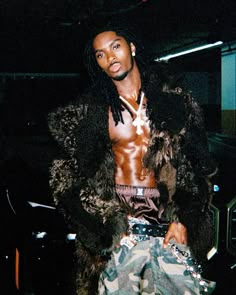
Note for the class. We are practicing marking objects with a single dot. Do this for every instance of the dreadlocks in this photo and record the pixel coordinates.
(101, 82)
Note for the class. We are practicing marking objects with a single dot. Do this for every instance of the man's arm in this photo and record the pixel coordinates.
(194, 194)
(88, 209)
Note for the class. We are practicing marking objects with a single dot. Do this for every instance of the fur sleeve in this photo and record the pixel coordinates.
(193, 188)
(195, 144)
(79, 181)
(97, 228)
(63, 124)
(82, 133)
(184, 149)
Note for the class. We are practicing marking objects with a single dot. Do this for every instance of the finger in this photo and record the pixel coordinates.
(167, 238)
(184, 241)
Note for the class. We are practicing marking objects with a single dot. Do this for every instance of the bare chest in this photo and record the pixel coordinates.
(132, 128)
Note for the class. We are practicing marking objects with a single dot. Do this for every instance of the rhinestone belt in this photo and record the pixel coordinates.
(154, 230)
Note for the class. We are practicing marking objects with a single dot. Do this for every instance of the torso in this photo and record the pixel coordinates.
(129, 149)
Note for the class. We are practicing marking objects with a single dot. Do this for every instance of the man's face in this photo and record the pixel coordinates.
(113, 54)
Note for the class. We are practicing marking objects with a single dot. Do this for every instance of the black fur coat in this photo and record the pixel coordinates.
(82, 181)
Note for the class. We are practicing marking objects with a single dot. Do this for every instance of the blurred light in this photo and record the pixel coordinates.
(71, 237)
(233, 266)
(211, 253)
(33, 204)
(40, 235)
(216, 188)
(207, 46)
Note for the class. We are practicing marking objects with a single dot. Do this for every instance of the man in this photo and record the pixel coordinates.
(134, 180)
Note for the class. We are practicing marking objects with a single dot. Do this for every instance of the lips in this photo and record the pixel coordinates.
(114, 67)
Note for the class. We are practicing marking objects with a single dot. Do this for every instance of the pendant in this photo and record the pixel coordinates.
(138, 122)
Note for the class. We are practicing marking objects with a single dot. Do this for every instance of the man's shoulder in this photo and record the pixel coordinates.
(165, 73)
(77, 109)
(79, 103)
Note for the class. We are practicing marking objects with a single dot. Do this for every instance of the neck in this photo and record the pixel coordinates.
(129, 87)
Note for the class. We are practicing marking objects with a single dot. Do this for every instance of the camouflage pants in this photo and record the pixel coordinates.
(147, 268)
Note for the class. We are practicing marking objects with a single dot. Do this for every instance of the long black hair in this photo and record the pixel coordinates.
(100, 81)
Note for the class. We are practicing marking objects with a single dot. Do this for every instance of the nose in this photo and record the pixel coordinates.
(110, 57)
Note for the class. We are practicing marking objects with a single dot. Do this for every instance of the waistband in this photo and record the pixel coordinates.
(137, 191)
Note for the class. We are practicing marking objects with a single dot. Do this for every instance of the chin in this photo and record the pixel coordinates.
(120, 76)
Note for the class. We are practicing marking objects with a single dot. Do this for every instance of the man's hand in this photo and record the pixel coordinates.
(176, 231)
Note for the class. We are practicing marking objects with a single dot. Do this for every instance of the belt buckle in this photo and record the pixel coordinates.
(139, 191)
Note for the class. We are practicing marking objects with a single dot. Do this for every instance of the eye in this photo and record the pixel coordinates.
(99, 55)
(116, 46)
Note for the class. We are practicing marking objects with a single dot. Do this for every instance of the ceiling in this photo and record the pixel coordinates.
(49, 35)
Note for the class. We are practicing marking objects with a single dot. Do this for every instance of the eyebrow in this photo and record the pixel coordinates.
(114, 41)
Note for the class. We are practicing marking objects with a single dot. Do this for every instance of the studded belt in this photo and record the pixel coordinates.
(154, 230)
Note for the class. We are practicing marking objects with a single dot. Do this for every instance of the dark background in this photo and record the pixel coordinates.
(41, 67)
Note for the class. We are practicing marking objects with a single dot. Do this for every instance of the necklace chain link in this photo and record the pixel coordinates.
(138, 122)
